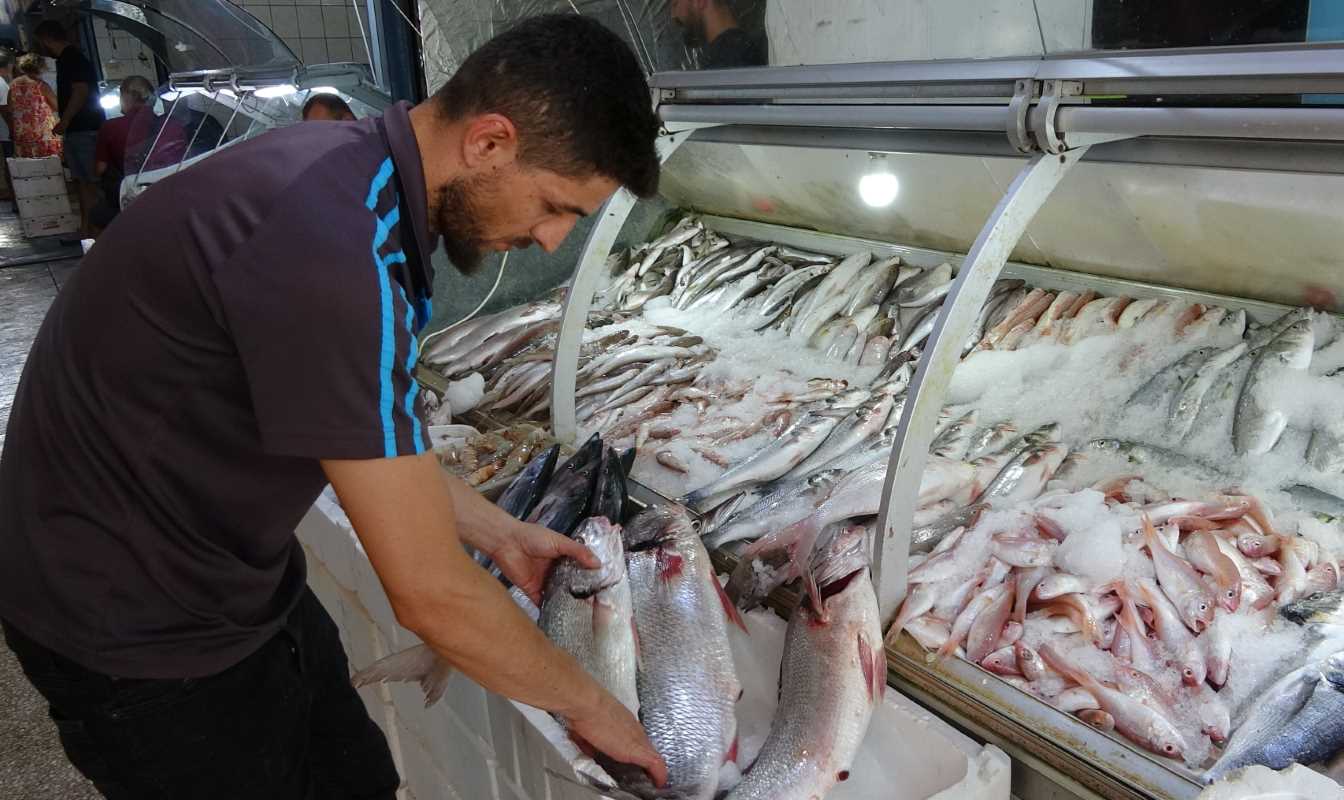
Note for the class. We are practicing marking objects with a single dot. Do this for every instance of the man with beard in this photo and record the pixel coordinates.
(712, 26)
(243, 335)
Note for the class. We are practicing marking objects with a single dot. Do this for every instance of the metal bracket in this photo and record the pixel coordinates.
(1050, 100)
(1019, 134)
(579, 298)
(928, 390)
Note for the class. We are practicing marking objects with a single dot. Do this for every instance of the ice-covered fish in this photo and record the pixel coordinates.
(771, 461)
(1257, 425)
(1189, 397)
(785, 505)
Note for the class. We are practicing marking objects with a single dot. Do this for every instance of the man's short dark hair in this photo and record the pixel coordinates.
(574, 91)
(50, 29)
(6, 58)
(328, 101)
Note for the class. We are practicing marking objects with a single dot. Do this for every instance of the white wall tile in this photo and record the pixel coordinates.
(335, 21)
(285, 21)
(338, 50)
(310, 23)
(314, 50)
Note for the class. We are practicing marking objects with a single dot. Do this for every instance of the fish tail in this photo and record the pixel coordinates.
(729, 609)
(420, 664)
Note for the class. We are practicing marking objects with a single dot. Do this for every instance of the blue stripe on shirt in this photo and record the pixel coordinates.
(379, 182)
(412, 351)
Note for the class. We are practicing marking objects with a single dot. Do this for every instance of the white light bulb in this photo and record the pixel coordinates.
(109, 101)
(268, 92)
(879, 189)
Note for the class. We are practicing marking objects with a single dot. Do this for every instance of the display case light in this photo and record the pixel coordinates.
(110, 100)
(271, 92)
(879, 187)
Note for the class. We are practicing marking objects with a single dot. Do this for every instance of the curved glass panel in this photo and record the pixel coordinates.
(189, 35)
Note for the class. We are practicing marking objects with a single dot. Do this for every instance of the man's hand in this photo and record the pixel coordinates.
(524, 553)
(612, 730)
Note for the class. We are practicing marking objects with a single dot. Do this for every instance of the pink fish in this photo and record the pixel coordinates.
(1179, 581)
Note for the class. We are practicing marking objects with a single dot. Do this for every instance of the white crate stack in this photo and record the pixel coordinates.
(40, 193)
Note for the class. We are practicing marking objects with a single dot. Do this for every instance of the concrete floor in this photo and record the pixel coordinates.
(32, 764)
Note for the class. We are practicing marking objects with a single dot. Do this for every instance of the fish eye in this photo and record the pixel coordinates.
(1203, 606)
(1170, 748)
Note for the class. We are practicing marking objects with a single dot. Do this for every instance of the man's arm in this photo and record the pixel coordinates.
(406, 516)
(79, 95)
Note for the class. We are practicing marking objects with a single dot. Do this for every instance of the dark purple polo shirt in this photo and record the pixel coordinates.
(238, 322)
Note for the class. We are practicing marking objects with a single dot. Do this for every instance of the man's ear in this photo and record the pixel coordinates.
(489, 141)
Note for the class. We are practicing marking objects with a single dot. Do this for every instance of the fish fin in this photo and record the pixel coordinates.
(419, 663)
(873, 663)
(734, 616)
(732, 754)
(814, 595)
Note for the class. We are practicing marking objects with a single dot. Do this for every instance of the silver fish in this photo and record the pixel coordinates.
(836, 281)
(1190, 396)
(863, 423)
(955, 440)
(785, 505)
(991, 439)
(874, 286)
(1325, 450)
(928, 288)
(832, 676)
(778, 297)
(1300, 719)
(687, 683)
(921, 327)
(1256, 428)
(771, 461)
(589, 613)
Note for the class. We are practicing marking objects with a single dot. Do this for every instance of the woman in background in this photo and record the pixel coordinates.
(32, 105)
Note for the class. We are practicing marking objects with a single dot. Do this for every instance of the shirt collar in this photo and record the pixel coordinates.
(411, 171)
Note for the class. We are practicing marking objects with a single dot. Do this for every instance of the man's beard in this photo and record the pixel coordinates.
(456, 217)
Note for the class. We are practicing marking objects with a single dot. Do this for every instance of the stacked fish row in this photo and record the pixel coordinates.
(490, 461)
(858, 310)
(1114, 603)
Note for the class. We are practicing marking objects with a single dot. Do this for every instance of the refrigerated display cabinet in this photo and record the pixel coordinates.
(1069, 172)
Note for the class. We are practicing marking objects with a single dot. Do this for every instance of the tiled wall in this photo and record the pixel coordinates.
(122, 55)
(318, 31)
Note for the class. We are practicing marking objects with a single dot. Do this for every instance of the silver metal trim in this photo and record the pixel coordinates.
(579, 298)
(1000, 234)
(925, 117)
(1307, 124)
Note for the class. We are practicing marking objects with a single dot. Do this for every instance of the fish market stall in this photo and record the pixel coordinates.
(1071, 364)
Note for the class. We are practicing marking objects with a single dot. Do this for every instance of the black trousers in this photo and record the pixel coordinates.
(283, 724)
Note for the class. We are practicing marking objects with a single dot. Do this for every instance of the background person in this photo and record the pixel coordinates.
(327, 107)
(109, 161)
(6, 140)
(32, 108)
(712, 26)
(79, 112)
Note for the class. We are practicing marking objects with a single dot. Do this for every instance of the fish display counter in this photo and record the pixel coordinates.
(1066, 375)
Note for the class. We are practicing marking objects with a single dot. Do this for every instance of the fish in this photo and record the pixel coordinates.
(589, 613)
(1139, 454)
(1170, 377)
(991, 439)
(1321, 608)
(874, 285)
(1300, 719)
(926, 537)
(609, 490)
(833, 285)
(1173, 633)
(527, 489)
(1189, 398)
(687, 683)
(832, 676)
(1205, 556)
(715, 280)
(778, 297)
(770, 462)
(671, 460)
(864, 422)
(1136, 721)
(1025, 476)
(955, 440)
(986, 630)
(1255, 590)
(1255, 427)
(1179, 581)
(929, 287)
(566, 499)
(1323, 504)
(1325, 450)
(785, 505)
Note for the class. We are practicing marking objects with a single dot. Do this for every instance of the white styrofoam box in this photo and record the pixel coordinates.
(39, 186)
(43, 205)
(35, 167)
(34, 227)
